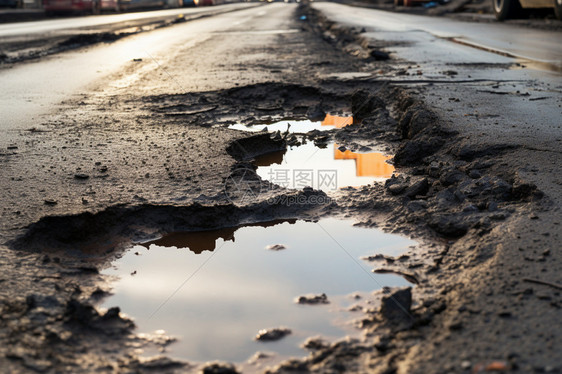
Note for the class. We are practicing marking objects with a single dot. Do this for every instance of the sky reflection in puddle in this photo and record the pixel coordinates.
(326, 169)
(240, 287)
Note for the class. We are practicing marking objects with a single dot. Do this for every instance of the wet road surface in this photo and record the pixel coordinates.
(129, 130)
(31, 90)
(523, 43)
(65, 24)
(501, 99)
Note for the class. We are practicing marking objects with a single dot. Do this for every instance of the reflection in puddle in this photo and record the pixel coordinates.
(337, 121)
(367, 164)
(269, 159)
(326, 169)
(298, 126)
(200, 241)
(225, 297)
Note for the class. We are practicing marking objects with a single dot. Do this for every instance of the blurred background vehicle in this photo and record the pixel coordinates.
(97, 6)
(11, 3)
(138, 4)
(208, 2)
(79, 6)
(506, 9)
(410, 2)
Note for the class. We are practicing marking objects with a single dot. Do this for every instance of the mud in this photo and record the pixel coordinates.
(268, 335)
(74, 245)
(313, 299)
(346, 39)
(463, 199)
(466, 196)
(251, 104)
(117, 227)
(462, 191)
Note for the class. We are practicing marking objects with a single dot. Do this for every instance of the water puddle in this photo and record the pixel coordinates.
(297, 126)
(326, 169)
(307, 165)
(216, 290)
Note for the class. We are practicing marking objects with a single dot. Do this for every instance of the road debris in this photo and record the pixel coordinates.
(312, 299)
(273, 334)
(276, 247)
(395, 306)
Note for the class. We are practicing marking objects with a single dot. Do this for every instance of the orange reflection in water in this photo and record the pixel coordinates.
(337, 121)
(367, 164)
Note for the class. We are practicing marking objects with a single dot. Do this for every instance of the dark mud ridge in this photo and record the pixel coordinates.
(347, 39)
(116, 228)
(273, 102)
(251, 104)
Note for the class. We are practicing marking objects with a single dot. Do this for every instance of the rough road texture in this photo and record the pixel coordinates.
(127, 163)
(75, 188)
(479, 305)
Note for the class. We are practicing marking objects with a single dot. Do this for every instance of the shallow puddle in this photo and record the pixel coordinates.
(325, 169)
(219, 288)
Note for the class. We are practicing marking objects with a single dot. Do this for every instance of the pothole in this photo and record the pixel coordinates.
(327, 167)
(215, 290)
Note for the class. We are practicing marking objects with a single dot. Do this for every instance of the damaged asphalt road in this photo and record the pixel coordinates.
(33, 40)
(146, 151)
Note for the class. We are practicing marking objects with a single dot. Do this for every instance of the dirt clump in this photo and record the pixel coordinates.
(219, 368)
(313, 299)
(396, 305)
(267, 335)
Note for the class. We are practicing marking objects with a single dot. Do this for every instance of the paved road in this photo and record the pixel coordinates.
(99, 105)
(63, 25)
(497, 99)
(30, 90)
(520, 42)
